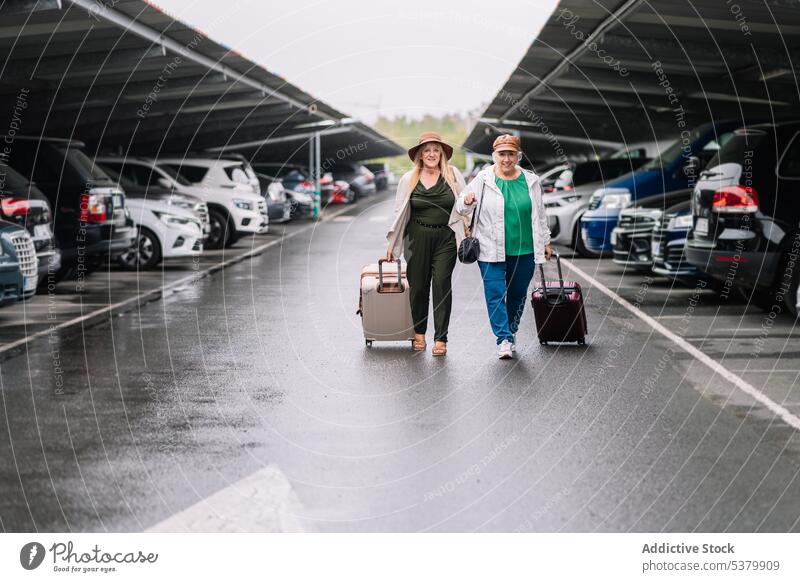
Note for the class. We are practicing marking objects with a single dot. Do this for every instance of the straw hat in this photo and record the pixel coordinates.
(431, 137)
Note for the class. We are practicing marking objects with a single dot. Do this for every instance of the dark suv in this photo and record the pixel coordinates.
(18, 277)
(361, 180)
(23, 203)
(746, 213)
(90, 220)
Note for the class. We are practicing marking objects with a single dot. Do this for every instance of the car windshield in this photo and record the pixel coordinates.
(12, 180)
(672, 153)
(81, 161)
(173, 173)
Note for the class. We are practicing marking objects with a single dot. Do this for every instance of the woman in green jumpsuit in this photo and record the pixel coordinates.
(425, 220)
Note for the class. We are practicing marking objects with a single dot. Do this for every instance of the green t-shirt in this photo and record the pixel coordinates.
(518, 208)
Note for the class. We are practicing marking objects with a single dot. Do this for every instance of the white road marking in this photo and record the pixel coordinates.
(342, 219)
(173, 287)
(379, 219)
(715, 366)
(263, 502)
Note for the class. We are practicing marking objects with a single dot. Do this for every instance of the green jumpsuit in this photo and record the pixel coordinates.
(431, 255)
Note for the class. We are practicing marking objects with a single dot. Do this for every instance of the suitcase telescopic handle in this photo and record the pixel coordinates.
(560, 276)
(380, 273)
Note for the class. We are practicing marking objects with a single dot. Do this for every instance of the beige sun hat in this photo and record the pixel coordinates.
(429, 137)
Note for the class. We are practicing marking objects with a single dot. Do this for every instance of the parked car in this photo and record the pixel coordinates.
(564, 209)
(297, 179)
(675, 169)
(23, 203)
(361, 180)
(593, 171)
(18, 265)
(745, 214)
(382, 175)
(232, 212)
(669, 242)
(168, 225)
(279, 207)
(157, 192)
(645, 149)
(633, 236)
(302, 203)
(215, 172)
(91, 222)
(475, 170)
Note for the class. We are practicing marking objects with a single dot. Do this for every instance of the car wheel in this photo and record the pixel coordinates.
(580, 248)
(790, 298)
(219, 235)
(233, 236)
(350, 197)
(144, 254)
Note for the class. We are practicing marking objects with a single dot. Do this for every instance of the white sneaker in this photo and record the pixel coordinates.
(505, 350)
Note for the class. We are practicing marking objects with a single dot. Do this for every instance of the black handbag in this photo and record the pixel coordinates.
(470, 248)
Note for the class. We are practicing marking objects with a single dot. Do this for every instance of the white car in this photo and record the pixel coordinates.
(232, 212)
(164, 231)
(564, 209)
(216, 172)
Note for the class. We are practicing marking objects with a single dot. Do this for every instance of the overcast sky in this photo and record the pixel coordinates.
(370, 58)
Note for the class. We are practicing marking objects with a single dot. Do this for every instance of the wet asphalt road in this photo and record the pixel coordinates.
(263, 365)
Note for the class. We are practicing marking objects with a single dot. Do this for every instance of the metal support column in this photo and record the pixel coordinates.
(314, 154)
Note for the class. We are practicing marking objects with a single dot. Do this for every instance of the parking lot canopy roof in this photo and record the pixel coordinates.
(126, 77)
(603, 73)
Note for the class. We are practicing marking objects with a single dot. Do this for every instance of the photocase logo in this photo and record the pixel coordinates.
(31, 555)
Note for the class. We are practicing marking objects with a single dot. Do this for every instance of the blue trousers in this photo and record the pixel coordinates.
(505, 286)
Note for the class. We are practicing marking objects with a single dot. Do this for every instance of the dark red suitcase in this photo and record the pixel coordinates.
(558, 309)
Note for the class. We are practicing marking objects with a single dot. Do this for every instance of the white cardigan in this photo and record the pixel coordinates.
(402, 213)
(490, 229)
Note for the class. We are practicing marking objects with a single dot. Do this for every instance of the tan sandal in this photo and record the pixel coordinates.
(419, 345)
(440, 349)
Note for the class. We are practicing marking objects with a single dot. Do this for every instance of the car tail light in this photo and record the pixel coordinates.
(326, 179)
(307, 184)
(735, 200)
(15, 206)
(93, 208)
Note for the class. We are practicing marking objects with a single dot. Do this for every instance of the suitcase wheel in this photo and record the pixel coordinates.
(368, 342)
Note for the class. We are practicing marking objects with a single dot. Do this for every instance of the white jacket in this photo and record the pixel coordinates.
(490, 228)
(402, 213)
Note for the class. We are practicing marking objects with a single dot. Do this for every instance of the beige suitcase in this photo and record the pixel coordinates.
(383, 303)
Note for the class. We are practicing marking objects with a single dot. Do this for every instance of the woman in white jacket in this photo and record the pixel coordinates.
(513, 234)
(426, 220)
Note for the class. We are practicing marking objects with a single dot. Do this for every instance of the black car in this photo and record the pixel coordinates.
(381, 172)
(90, 220)
(361, 180)
(23, 203)
(669, 243)
(633, 236)
(746, 212)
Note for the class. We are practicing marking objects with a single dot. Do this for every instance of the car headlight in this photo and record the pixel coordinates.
(572, 199)
(616, 200)
(683, 221)
(173, 219)
(243, 204)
